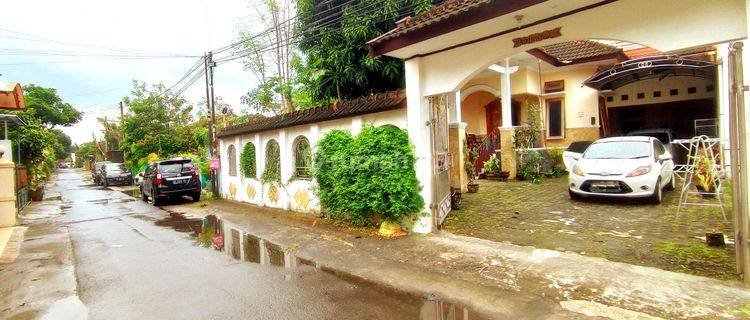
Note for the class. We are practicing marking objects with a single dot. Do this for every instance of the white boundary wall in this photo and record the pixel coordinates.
(298, 194)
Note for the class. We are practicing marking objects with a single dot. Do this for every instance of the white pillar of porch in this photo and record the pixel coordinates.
(455, 109)
(506, 115)
(417, 115)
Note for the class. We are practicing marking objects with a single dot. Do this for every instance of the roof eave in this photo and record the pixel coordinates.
(382, 45)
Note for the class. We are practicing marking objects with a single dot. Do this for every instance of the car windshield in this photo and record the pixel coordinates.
(175, 167)
(116, 167)
(618, 150)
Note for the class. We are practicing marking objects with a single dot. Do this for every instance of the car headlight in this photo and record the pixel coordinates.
(640, 171)
(577, 170)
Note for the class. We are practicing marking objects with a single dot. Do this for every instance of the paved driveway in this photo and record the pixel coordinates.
(634, 232)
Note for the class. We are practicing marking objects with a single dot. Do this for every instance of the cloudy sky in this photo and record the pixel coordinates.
(95, 84)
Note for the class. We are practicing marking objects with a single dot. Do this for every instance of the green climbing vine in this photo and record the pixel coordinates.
(247, 161)
(272, 171)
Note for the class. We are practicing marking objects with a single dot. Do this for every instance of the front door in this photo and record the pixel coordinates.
(441, 164)
(492, 112)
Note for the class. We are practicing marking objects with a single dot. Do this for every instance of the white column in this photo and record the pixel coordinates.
(356, 125)
(454, 108)
(314, 136)
(506, 115)
(260, 151)
(417, 114)
(285, 165)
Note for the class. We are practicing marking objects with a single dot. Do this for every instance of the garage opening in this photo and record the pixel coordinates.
(664, 92)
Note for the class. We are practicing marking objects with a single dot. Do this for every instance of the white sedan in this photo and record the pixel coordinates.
(629, 167)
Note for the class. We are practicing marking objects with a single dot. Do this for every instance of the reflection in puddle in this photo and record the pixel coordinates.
(275, 254)
(250, 248)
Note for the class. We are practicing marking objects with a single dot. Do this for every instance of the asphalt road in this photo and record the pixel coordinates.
(129, 268)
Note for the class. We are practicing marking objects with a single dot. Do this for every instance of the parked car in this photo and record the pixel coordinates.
(62, 165)
(171, 179)
(630, 167)
(138, 179)
(573, 152)
(96, 171)
(114, 173)
(666, 136)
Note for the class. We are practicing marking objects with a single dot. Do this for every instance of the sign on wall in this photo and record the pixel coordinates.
(536, 37)
(215, 164)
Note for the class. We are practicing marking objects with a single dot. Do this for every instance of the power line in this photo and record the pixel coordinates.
(313, 32)
(192, 69)
(94, 92)
(79, 61)
(43, 39)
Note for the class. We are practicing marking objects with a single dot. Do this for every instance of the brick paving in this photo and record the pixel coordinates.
(629, 231)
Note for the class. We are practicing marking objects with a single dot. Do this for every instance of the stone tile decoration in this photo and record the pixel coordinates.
(302, 198)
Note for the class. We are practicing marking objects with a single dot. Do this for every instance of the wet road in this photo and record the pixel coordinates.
(129, 268)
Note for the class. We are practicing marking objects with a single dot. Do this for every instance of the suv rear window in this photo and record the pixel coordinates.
(175, 166)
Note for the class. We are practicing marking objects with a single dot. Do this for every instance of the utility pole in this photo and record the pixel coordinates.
(122, 112)
(209, 67)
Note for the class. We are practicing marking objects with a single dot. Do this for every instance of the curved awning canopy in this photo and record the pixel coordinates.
(660, 67)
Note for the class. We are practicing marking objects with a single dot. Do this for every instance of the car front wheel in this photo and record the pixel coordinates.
(656, 197)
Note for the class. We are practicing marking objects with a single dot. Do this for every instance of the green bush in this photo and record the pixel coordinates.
(368, 175)
(530, 166)
(247, 161)
(555, 163)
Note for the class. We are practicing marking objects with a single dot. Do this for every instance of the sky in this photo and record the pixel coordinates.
(95, 85)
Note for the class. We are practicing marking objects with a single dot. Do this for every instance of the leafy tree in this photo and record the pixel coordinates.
(86, 150)
(49, 108)
(334, 34)
(63, 145)
(156, 122)
(112, 134)
(269, 54)
(40, 146)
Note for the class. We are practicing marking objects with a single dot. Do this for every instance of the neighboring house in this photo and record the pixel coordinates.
(596, 68)
(285, 139)
(11, 96)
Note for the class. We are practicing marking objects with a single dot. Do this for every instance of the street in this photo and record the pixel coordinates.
(127, 268)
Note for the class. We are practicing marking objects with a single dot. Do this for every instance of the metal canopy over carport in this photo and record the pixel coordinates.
(634, 70)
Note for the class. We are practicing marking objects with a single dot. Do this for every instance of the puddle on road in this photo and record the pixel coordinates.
(250, 248)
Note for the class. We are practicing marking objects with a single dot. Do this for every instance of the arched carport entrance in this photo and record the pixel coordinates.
(448, 47)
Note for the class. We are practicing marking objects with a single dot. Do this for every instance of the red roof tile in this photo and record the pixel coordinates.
(578, 49)
(370, 104)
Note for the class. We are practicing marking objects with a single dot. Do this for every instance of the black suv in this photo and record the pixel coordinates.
(171, 179)
(112, 173)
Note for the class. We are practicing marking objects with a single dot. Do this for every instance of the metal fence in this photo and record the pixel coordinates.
(22, 188)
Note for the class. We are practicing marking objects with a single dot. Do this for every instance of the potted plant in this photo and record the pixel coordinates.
(492, 168)
(470, 156)
(37, 177)
(705, 175)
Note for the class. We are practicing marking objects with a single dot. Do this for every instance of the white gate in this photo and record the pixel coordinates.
(441, 158)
